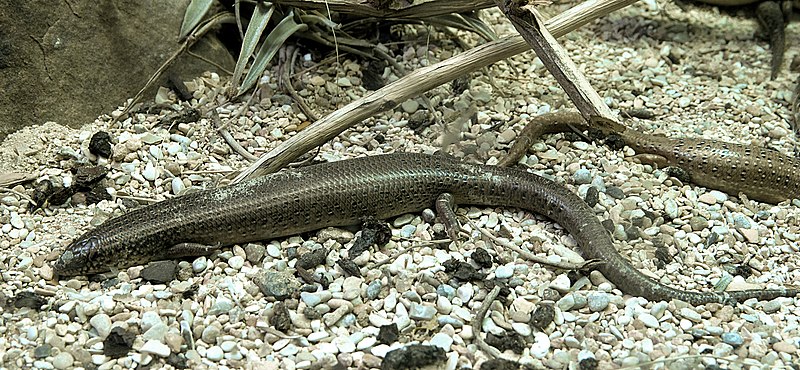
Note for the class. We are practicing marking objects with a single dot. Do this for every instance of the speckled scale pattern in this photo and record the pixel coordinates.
(341, 193)
(761, 173)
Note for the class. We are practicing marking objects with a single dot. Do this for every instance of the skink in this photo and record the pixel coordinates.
(342, 193)
(761, 173)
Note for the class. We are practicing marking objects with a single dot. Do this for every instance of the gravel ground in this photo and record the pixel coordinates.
(699, 71)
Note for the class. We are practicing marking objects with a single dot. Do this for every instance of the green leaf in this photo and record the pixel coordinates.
(268, 49)
(258, 22)
(195, 12)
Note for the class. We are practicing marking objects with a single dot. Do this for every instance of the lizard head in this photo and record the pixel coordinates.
(80, 258)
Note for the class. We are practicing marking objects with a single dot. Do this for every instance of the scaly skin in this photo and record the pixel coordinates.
(341, 193)
(761, 173)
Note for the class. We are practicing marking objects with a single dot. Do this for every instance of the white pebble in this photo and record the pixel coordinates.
(150, 172)
(157, 348)
(215, 353)
(541, 345)
(442, 341)
(236, 262)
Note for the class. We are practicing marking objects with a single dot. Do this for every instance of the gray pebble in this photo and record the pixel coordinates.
(101, 324)
(215, 353)
(772, 306)
(373, 289)
(598, 301)
(582, 176)
(408, 231)
(199, 264)
(698, 223)
(403, 220)
(741, 221)
(448, 319)
(446, 291)
(615, 192)
(178, 187)
(421, 312)
(410, 106)
(566, 303)
(210, 334)
(150, 172)
(278, 284)
(580, 145)
(222, 305)
(504, 272)
(648, 320)
(254, 252)
(313, 299)
(236, 262)
(599, 183)
(63, 360)
(733, 339)
(671, 208)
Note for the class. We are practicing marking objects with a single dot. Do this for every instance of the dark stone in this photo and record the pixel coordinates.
(589, 363)
(312, 313)
(281, 319)
(482, 258)
(373, 232)
(412, 357)
(615, 192)
(118, 343)
(543, 316)
(42, 351)
(641, 113)
(29, 300)
(462, 270)
(160, 272)
(419, 120)
(592, 196)
(513, 342)
(503, 364)
(349, 267)
(312, 259)
(100, 144)
(388, 334)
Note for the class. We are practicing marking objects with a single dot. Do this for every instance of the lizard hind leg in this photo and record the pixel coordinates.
(444, 208)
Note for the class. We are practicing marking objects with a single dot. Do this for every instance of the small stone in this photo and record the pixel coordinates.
(707, 198)
(750, 234)
(160, 272)
(671, 208)
(410, 106)
(541, 345)
(221, 305)
(150, 172)
(598, 301)
(210, 334)
(278, 284)
(199, 264)
(403, 220)
(504, 272)
(733, 339)
(442, 341)
(421, 312)
(215, 353)
(615, 192)
(648, 320)
(785, 347)
(236, 262)
(155, 347)
(254, 252)
(561, 283)
(178, 187)
(101, 324)
(506, 136)
(690, 314)
(698, 223)
(772, 306)
(63, 360)
(582, 176)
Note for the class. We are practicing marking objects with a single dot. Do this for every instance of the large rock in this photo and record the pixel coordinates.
(70, 61)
